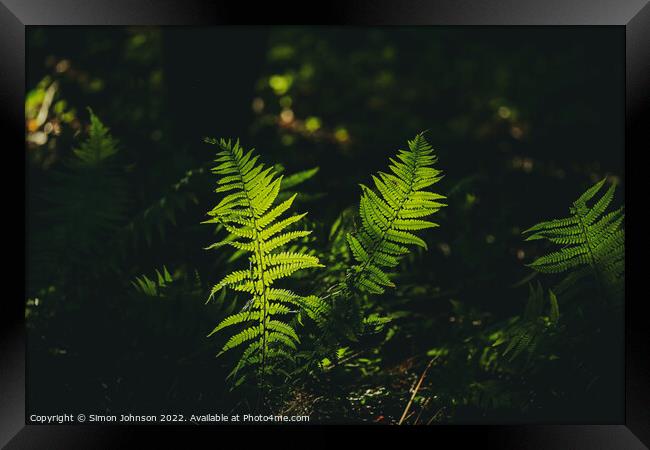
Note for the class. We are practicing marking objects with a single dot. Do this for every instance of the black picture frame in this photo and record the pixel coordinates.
(633, 15)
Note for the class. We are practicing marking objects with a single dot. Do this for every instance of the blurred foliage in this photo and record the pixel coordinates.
(522, 120)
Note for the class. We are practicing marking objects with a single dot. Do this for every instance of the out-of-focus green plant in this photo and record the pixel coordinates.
(86, 205)
(46, 115)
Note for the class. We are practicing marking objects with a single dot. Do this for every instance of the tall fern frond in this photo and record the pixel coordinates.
(391, 213)
(250, 213)
(592, 243)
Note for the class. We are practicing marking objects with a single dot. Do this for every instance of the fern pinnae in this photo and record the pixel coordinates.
(391, 214)
(248, 213)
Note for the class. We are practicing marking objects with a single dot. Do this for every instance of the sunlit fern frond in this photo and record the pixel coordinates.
(391, 213)
(592, 243)
(250, 213)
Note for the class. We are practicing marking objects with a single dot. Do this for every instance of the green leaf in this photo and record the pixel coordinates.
(249, 213)
(390, 214)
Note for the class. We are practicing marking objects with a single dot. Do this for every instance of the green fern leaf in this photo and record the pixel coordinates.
(590, 239)
(249, 212)
(390, 214)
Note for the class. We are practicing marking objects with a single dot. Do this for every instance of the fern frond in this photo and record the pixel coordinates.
(85, 206)
(525, 334)
(248, 211)
(590, 238)
(99, 146)
(391, 213)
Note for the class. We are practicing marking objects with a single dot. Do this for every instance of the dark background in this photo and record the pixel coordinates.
(523, 120)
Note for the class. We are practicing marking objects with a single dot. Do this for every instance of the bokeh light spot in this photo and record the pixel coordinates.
(286, 116)
(504, 112)
(62, 66)
(258, 105)
(516, 132)
(312, 124)
(280, 83)
(341, 135)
